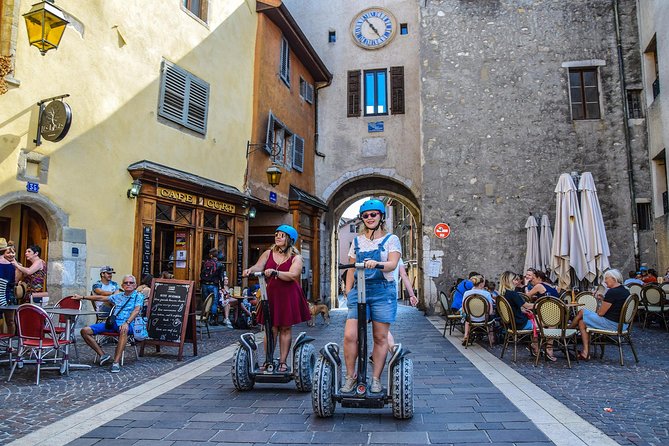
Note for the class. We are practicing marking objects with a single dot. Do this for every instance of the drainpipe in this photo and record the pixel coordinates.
(630, 163)
(318, 87)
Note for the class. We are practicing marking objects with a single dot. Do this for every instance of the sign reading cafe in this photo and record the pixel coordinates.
(193, 199)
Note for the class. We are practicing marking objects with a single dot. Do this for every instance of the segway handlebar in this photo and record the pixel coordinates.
(359, 265)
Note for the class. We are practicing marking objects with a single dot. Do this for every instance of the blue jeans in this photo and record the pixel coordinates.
(381, 301)
(208, 289)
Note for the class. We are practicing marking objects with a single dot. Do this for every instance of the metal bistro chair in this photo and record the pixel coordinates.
(655, 304)
(477, 306)
(72, 303)
(113, 337)
(453, 318)
(553, 319)
(665, 287)
(620, 336)
(588, 299)
(509, 323)
(202, 319)
(37, 337)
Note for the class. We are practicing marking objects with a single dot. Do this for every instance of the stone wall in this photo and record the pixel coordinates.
(497, 129)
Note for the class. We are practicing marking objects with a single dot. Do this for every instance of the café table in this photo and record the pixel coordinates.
(70, 314)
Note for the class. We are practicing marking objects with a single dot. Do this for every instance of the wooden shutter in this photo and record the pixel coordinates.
(184, 98)
(198, 100)
(269, 140)
(353, 90)
(397, 90)
(310, 93)
(285, 61)
(298, 153)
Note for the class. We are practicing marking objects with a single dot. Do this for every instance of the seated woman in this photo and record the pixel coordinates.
(608, 315)
(540, 286)
(508, 284)
(479, 288)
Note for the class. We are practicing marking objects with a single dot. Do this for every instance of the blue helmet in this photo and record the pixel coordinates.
(373, 205)
(290, 231)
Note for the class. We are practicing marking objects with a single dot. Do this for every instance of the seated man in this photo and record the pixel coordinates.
(128, 305)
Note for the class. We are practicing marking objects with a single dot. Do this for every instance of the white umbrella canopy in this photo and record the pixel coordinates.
(568, 249)
(594, 234)
(545, 242)
(532, 258)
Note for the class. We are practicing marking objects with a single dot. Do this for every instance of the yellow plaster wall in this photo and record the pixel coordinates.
(111, 69)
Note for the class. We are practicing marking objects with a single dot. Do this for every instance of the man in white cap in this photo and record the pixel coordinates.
(104, 287)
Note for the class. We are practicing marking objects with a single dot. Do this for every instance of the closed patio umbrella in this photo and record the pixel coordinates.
(594, 234)
(532, 258)
(545, 242)
(568, 249)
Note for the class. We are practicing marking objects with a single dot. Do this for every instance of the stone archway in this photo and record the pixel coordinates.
(67, 246)
(345, 191)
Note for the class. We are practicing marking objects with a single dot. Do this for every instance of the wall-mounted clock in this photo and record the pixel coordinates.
(373, 28)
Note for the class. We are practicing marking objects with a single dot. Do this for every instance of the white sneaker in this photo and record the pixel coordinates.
(349, 385)
(376, 386)
(227, 323)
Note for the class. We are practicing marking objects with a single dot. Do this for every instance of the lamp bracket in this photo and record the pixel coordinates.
(273, 149)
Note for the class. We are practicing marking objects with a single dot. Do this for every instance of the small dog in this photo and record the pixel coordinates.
(317, 308)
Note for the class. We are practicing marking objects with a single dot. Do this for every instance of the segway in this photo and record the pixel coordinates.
(398, 391)
(245, 369)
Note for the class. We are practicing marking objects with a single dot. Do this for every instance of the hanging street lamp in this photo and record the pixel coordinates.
(46, 24)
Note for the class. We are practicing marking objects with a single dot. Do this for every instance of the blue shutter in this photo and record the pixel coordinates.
(198, 100)
(269, 140)
(284, 69)
(298, 153)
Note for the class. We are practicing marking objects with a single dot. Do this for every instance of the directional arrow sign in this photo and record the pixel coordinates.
(442, 230)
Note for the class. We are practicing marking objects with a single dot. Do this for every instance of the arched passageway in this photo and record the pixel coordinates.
(378, 186)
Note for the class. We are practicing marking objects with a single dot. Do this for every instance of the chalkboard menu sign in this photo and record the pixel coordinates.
(170, 314)
(146, 250)
(240, 260)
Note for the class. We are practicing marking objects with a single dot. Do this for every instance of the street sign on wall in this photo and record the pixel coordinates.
(442, 230)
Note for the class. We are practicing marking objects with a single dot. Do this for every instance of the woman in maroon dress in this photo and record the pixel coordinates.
(282, 265)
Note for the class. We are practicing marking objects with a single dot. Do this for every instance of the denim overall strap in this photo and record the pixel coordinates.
(375, 274)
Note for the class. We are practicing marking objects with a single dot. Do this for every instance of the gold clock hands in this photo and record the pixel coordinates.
(373, 27)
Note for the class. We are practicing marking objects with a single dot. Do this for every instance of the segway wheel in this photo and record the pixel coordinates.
(322, 392)
(241, 369)
(303, 366)
(402, 389)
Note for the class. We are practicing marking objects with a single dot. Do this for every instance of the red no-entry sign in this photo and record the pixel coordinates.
(442, 230)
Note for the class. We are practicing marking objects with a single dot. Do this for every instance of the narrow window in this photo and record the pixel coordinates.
(653, 65)
(284, 70)
(353, 94)
(634, 104)
(584, 93)
(298, 153)
(332, 36)
(306, 91)
(397, 90)
(376, 97)
(404, 29)
(184, 98)
(196, 7)
(645, 216)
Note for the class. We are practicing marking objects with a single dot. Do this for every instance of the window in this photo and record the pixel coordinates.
(353, 94)
(397, 90)
(196, 7)
(645, 216)
(351, 229)
(306, 91)
(184, 98)
(281, 139)
(634, 107)
(376, 99)
(584, 93)
(404, 29)
(298, 153)
(653, 66)
(284, 69)
(332, 36)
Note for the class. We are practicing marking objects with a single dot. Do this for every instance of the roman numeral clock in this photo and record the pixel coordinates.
(373, 28)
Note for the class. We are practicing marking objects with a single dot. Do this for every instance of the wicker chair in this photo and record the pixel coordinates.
(453, 317)
(477, 306)
(655, 304)
(621, 335)
(553, 319)
(588, 299)
(509, 323)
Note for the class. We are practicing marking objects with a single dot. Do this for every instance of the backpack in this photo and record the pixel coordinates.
(208, 273)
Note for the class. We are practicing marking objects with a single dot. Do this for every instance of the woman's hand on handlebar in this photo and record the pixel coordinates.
(271, 273)
(371, 264)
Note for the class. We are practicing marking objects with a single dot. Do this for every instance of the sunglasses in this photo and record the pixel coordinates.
(128, 283)
(369, 215)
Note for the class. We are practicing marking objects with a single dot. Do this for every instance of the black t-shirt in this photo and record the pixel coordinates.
(616, 297)
(517, 301)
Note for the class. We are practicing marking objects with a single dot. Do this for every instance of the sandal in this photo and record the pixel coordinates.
(532, 352)
(582, 357)
(283, 367)
(464, 341)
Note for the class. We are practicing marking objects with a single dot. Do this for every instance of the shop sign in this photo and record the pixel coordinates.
(177, 196)
(218, 205)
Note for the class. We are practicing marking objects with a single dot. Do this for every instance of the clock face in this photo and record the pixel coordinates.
(55, 121)
(373, 28)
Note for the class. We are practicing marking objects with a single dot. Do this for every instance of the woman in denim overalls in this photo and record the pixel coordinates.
(374, 247)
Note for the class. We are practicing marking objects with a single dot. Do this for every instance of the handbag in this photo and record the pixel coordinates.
(139, 328)
(110, 322)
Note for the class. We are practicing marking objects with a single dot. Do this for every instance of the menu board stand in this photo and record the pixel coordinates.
(171, 315)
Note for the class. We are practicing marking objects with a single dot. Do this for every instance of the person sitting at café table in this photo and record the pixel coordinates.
(608, 315)
(522, 311)
(539, 285)
(479, 288)
(128, 305)
(633, 279)
(460, 290)
(646, 277)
